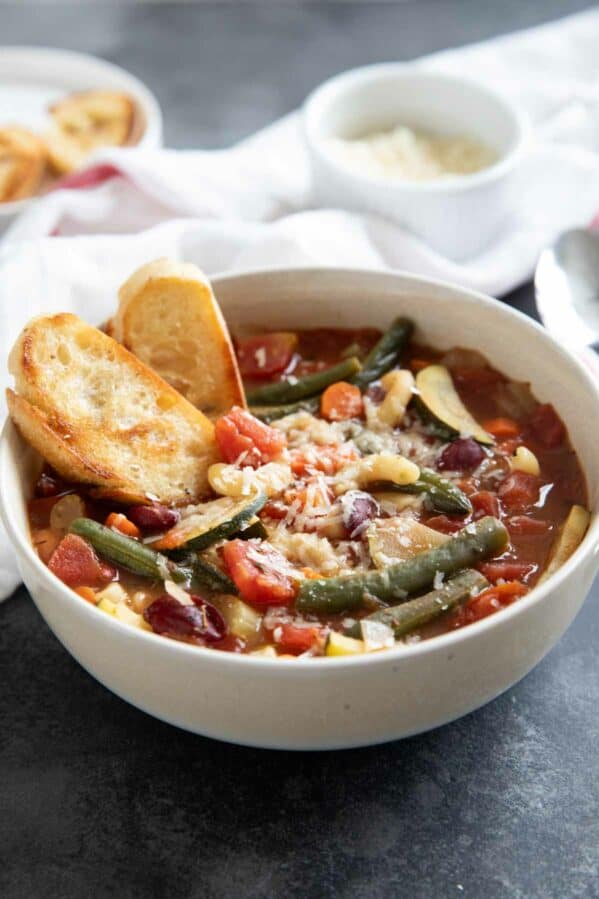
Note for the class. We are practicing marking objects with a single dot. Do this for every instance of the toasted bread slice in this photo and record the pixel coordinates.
(99, 416)
(23, 159)
(169, 317)
(86, 121)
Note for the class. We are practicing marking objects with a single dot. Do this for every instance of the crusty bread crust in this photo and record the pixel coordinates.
(86, 121)
(101, 417)
(168, 316)
(23, 159)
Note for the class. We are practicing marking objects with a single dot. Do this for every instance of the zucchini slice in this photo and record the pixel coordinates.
(253, 530)
(392, 540)
(572, 532)
(438, 400)
(210, 522)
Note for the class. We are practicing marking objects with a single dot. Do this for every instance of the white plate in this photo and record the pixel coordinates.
(31, 78)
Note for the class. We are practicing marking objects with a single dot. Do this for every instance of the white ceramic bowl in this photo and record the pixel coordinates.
(31, 78)
(458, 215)
(338, 702)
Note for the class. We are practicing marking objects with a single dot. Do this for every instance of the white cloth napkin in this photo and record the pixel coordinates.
(251, 205)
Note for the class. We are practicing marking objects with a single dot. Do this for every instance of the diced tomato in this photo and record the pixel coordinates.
(341, 401)
(445, 524)
(119, 522)
(328, 459)
(547, 426)
(239, 435)
(266, 354)
(506, 570)
(260, 573)
(76, 564)
(502, 428)
(488, 602)
(519, 491)
(530, 527)
(274, 509)
(467, 485)
(485, 503)
(296, 640)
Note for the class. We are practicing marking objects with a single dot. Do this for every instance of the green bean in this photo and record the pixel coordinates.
(128, 553)
(286, 391)
(442, 495)
(385, 353)
(211, 577)
(272, 413)
(353, 349)
(478, 540)
(417, 612)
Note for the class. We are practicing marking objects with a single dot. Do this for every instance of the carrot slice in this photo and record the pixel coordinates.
(87, 594)
(341, 401)
(119, 522)
(502, 428)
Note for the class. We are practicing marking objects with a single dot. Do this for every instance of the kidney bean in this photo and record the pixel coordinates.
(169, 617)
(462, 454)
(358, 509)
(154, 517)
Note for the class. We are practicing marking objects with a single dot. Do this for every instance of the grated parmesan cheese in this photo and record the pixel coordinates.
(410, 154)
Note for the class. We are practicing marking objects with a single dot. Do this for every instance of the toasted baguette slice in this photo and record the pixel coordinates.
(23, 160)
(169, 317)
(101, 417)
(86, 121)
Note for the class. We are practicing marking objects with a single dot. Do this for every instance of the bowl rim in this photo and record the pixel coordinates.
(350, 79)
(309, 666)
(144, 98)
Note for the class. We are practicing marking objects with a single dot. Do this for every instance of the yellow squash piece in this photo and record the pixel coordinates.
(572, 533)
(339, 645)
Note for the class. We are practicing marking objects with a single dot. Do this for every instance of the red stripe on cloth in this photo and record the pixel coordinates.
(91, 177)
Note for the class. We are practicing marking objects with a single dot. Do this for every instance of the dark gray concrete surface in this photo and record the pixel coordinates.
(99, 800)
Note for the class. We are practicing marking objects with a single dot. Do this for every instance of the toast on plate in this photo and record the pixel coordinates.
(168, 316)
(23, 160)
(100, 417)
(86, 121)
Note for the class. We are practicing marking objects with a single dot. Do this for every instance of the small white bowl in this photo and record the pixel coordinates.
(458, 215)
(31, 78)
(331, 703)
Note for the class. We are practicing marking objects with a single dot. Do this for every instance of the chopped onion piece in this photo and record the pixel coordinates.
(177, 592)
(65, 511)
(376, 635)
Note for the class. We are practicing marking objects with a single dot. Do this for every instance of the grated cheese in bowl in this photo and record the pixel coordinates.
(413, 155)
